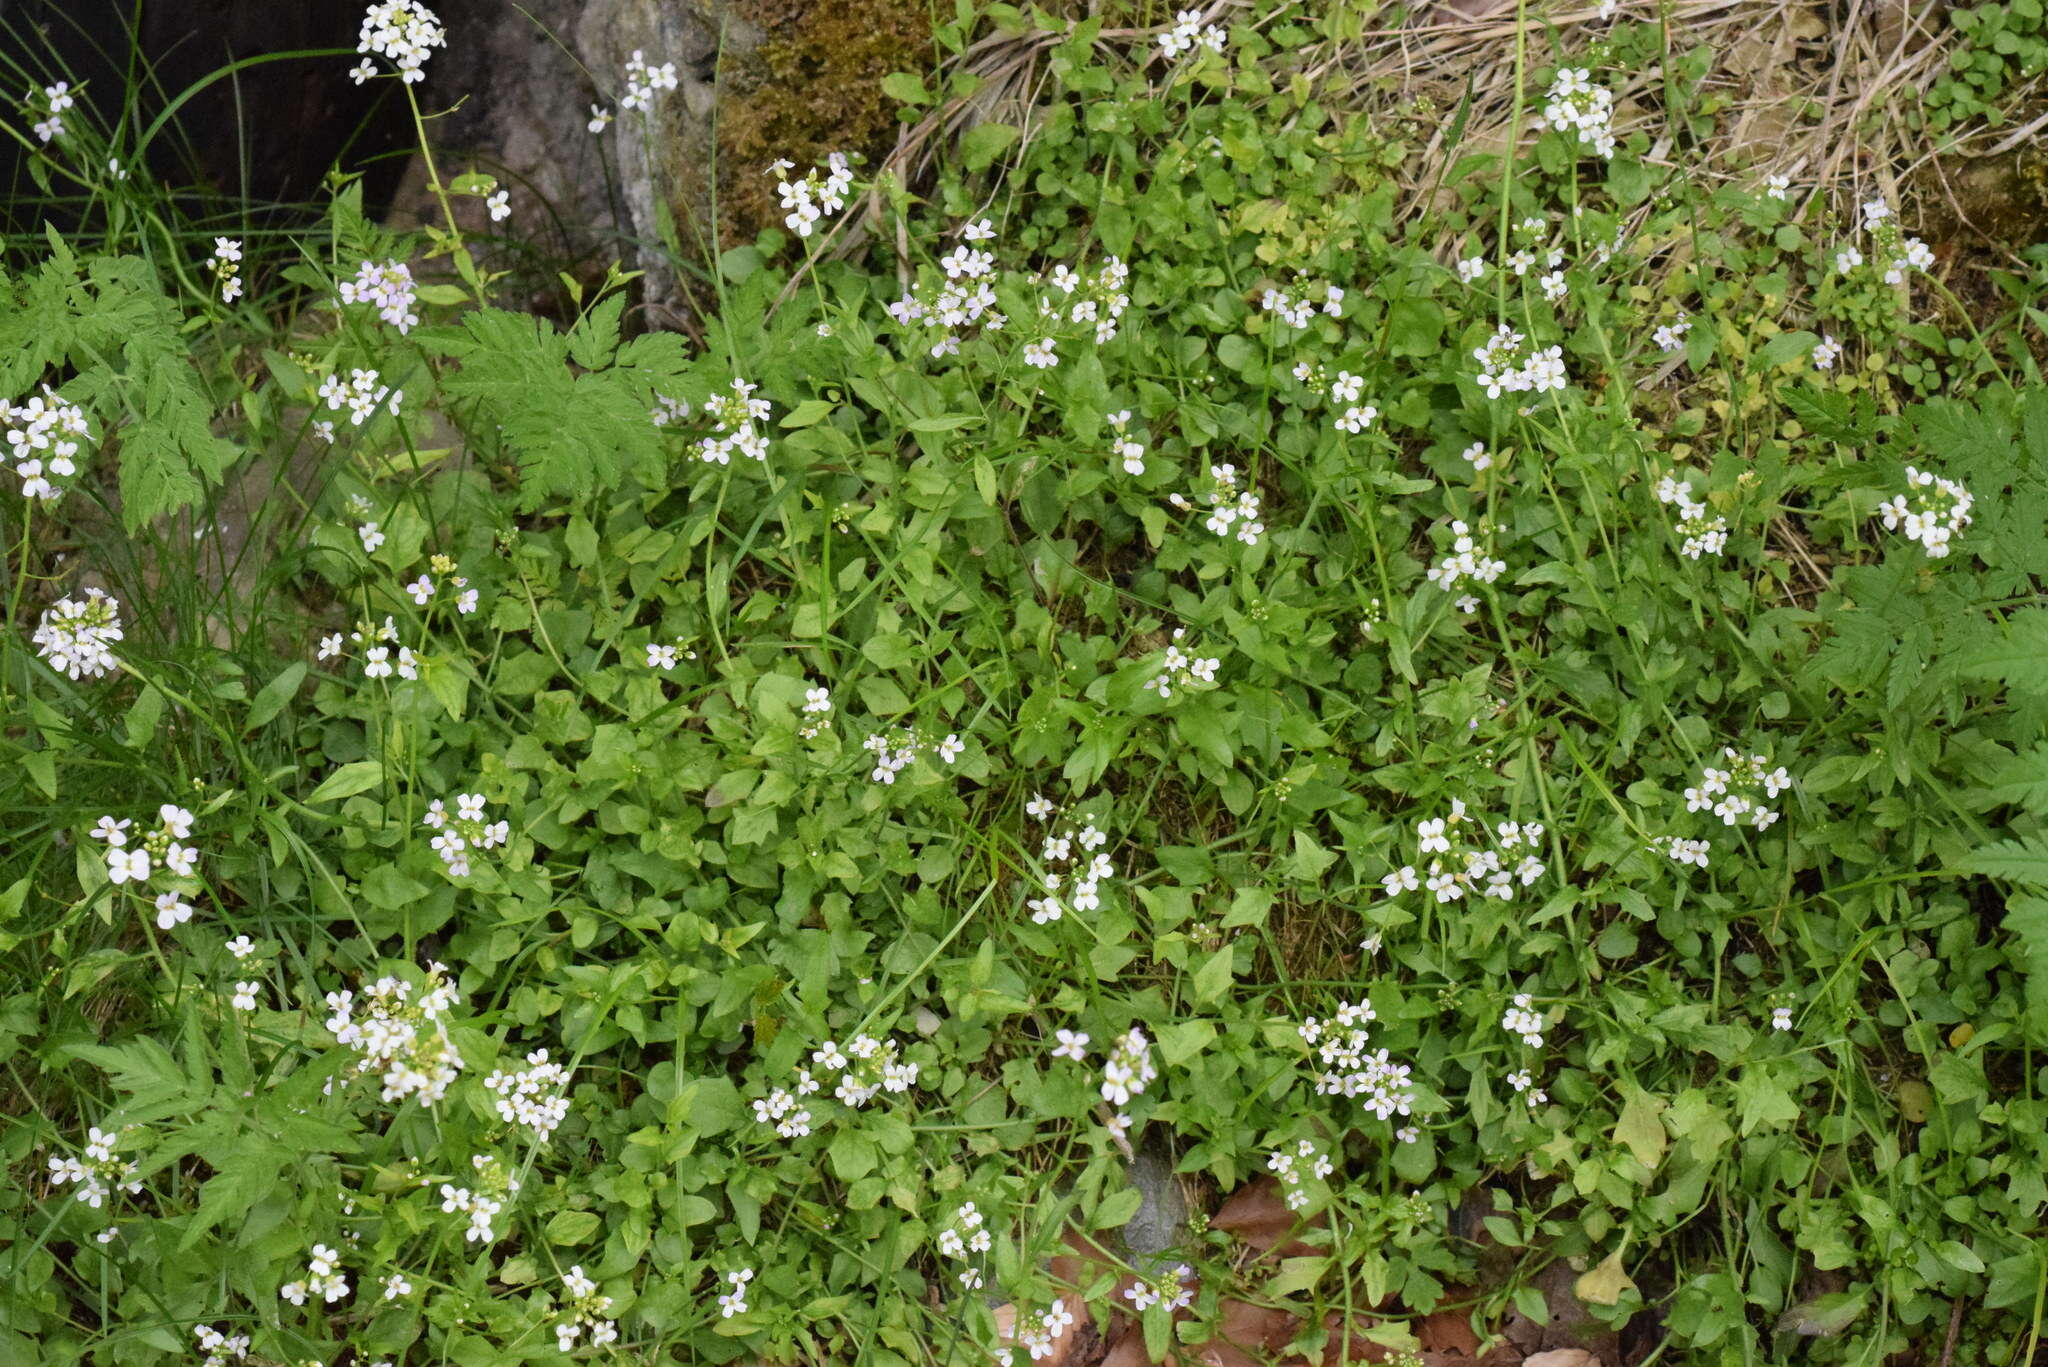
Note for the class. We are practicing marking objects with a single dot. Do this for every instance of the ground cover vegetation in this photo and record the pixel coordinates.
(1497, 726)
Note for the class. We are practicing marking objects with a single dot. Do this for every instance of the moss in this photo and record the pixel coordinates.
(813, 86)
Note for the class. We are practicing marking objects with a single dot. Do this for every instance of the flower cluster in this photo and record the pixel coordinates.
(532, 1096)
(1703, 532)
(1071, 842)
(965, 299)
(77, 637)
(404, 33)
(495, 1186)
(1524, 1083)
(378, 661)
(161, 851)
(227, 268)
(1097, 302)
(1575, 104)
(1189, 32)
(1349, 1069)
(1041, 1338)
(99, 1174)
(1477, 863)
(1670, 337)
(1297, 307)
(895, 752)
(323, 1279)
(783, 1110)
(644, 82)
(732, 417)
(1180, 669)
(423, 589)
(390, 289)
(1174, 1288)
(1466, 561)
(1507, 368)
(817, 194)
(403, 1039)
(1343, 391)
(1128, 1070)
(463, 832)
(1296, 1168)
(1932, 511)
(867, 1068)
(967, 1236)
(55, 100)
(586, 1308)
(1523, 1020)
(817, 712)
(1732, 793)
(1900, 253)
(1682, 851)
(42, 438)
(1131, 453)
(733, 1301)
(1232, 511)
(362, 394)
(667, 411)
(220, 1348)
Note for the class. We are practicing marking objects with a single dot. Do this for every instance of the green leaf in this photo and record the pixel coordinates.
(271, 698)
(2026, 920)
(809, 413)
(942, 422)
(241, 1179)
(1117, 1209)
(905, 88)
(1640, 1127)
(348, 780)
(1296, 1274)
(143, 715)
(1213, 978)
(2017, 659)
(573, 1227)
(984, 143)
(2017, 861)
(1825, 1316)
(1787, 346)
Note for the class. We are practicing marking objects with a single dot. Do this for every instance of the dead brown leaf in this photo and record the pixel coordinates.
(1448, 1331)
(1257, 1214)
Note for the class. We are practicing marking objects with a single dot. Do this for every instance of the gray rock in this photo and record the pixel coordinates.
(1161, 1223)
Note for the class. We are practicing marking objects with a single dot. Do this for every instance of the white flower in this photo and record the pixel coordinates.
(127, 866)
(1072, 1044)
(245, 996)
(371, 537)
(1781, 1018)
(171, 910)
(600, 118)
(404, 33)
(389, 288)
(76, 637)
(500, 205)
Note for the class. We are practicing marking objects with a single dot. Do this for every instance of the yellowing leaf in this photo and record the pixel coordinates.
(1605, 1284)
(1640, 1128)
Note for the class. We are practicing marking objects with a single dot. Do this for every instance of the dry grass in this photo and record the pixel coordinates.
(1818, 90)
